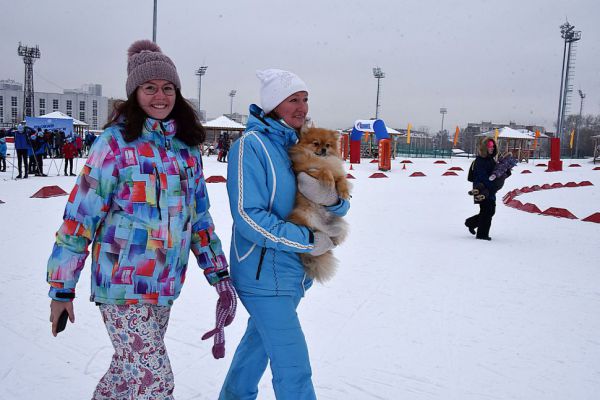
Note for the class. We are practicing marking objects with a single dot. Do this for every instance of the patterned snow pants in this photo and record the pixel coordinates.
(140, 368)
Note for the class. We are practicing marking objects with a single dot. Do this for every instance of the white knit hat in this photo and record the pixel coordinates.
(276, 85)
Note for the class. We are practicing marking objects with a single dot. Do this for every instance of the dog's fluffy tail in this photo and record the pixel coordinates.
(322, 268)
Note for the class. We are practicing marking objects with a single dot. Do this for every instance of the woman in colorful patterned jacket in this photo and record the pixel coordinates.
(141, 202)
(265, 264)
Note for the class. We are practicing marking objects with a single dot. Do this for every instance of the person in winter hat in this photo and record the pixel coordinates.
(266, 269)
(22, 147)
(484, 189)
(141, 202)
(69, 151)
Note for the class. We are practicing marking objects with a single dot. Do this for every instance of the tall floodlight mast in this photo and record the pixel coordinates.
(378, 74)
(29, 55)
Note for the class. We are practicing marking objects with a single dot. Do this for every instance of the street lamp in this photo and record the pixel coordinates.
(232, 95)
(378, 74)
(154, 22)
(200, 73)
(443, 111)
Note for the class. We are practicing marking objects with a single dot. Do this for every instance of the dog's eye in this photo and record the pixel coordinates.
(316, 144)
(327, 145)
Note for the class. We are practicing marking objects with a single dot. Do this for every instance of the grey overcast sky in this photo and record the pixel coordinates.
(484, 60)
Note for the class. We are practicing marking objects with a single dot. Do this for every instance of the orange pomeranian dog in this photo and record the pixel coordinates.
(318, 154)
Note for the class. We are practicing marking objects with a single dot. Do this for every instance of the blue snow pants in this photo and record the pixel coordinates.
(273, 334)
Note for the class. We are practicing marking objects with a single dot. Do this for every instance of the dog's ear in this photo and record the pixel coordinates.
(305, 127)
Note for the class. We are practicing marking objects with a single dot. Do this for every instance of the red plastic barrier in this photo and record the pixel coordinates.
(216, 179)
(355, 151)
(559, 213)
(49, 191)
(541, 165)
(530, 208)
(378, 175)
(449, 173)
(555, 164)
(596, 169)
(557, 185)
(586, 183)
(525, 189)
(595, 217)
(373, 161)
(574, 165)
(547, 186)
(439, 162)
(417, 174)
(406, 162)
(385, 155)
(455, 169)
(515, 204)
(571, 184)
(350, 176)
(526, 171)
(345, 146)
(535, 188)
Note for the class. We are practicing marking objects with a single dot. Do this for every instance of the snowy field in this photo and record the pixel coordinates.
(419, 310)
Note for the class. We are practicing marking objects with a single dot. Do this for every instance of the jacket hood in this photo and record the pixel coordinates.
(483, 147)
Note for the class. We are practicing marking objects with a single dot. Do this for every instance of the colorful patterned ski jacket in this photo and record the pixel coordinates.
(262, 190)
(144, 205)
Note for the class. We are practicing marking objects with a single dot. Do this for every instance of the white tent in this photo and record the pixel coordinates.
(60, 115)
(519, 142)
(223, 123)
(509, 133)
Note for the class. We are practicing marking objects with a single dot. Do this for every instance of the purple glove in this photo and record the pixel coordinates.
(226, 306)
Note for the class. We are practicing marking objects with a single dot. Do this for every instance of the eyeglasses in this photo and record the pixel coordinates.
(151, 89)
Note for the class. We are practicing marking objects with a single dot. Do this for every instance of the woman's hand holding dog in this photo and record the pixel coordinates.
(322, 244)
(315, 191)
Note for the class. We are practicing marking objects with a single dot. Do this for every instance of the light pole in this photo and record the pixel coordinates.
(154, 22)
(378, 74)
(443, 111)
(570, 35)
(200, 73)
(582, 96)
(232, 95)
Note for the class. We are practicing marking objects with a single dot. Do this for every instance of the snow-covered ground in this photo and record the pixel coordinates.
(418, 310)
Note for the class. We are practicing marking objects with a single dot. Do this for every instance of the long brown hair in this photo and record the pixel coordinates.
(129, 112)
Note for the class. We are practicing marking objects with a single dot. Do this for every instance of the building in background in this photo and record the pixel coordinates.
(85, 104)
(469, 139)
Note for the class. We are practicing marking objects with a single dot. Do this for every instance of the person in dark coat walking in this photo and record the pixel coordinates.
(22, 147)
(484, 189)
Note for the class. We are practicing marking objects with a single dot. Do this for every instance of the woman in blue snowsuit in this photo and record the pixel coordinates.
(264, 260)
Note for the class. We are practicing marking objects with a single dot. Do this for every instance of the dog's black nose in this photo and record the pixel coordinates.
(323, 151)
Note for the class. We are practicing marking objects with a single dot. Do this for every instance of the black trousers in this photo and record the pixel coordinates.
(39, 158)
(67, 162)
(483, 220)
(22, 158)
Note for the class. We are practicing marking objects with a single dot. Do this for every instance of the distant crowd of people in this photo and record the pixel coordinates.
(221, 149)
(32, 146)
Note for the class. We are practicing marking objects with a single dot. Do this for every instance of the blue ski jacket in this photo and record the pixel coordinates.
(261, 184)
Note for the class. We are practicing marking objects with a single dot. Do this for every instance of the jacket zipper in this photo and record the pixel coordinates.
(158, 190)
(158, 185)
(262, 256)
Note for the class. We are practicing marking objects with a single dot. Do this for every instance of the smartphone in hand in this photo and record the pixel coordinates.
(62, 321)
